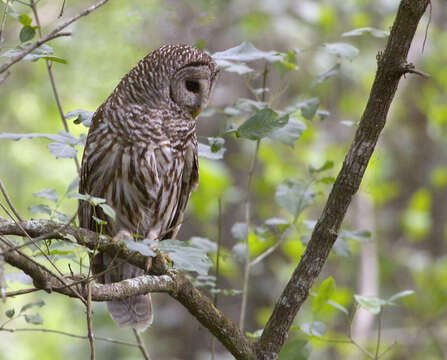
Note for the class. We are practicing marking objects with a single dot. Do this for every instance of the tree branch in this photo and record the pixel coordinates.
(169, 281)
(52, 35)
(392, 65)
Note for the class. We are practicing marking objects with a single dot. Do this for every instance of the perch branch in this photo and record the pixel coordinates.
(392, 64)
(169, 281)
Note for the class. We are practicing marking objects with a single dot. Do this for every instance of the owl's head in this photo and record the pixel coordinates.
(182, 75)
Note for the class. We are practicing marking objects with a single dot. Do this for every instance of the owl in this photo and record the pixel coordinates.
(141, 157)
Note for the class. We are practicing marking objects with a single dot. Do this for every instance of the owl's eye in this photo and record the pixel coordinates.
(192, 86)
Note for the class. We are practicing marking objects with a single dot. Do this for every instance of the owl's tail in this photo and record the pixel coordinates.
(135, 311)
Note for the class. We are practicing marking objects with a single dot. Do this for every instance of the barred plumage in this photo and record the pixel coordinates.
(141, 156)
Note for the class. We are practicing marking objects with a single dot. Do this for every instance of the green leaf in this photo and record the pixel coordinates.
(92, 200)
(342, 50)
(49, 194)
(206, 151)
(294, 196)
(240, 231)
(246, 52)
(40, 209)
(326, 166)
(186, 257)
(10, 313)
(38, 303)
(216, 143)
(35, 319)
(99, 221)
(341, 247)
(261, 124)
(61, 137)
(27, 33)
(324, 293)
(289, 133)
(62, 151)
(309, 108)
(25, 20)
(55, 59)
(203, 243)
(325, 75)
(366, 30)
(81, 116)
(400, 295)
(297, 349)
(370, 303)
(108, 210)
(141, 247)
(358, 235)
(234, 67)
(314, 328)
(338, 306)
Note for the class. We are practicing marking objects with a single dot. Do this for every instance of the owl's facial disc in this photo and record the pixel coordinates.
(191, 87)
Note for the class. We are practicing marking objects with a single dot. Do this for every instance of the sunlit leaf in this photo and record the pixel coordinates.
(338, 306)
(62, 151)
(326, 166)
(25, 20)
(342, 50)
(61, 137)
(324, 293)
(370, 303)
(234, 67)
(400, 295)
(81, 116)
(314, 328)
(367, 30)
(246, 52)
(309, 108)
(255, 334)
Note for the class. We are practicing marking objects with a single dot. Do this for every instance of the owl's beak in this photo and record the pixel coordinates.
(196, 112)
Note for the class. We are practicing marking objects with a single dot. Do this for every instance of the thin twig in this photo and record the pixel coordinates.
(8, 200)
(21, 292)
(61, 13)
(217, 283)
(52, 35)
(91, 336)
(82, 337)
(53, 83)
(60, 277)
(141, 345)
(2, 27)
(379, 333)
(248, 218)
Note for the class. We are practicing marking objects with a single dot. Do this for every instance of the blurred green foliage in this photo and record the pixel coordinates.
(402, 195)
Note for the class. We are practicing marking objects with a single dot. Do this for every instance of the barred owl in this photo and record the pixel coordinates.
(141, 156)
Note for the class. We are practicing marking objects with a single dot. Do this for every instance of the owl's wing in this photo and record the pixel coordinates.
(85, 210)
(190, 180)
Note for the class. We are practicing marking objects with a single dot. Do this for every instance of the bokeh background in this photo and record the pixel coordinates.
(401, 202)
